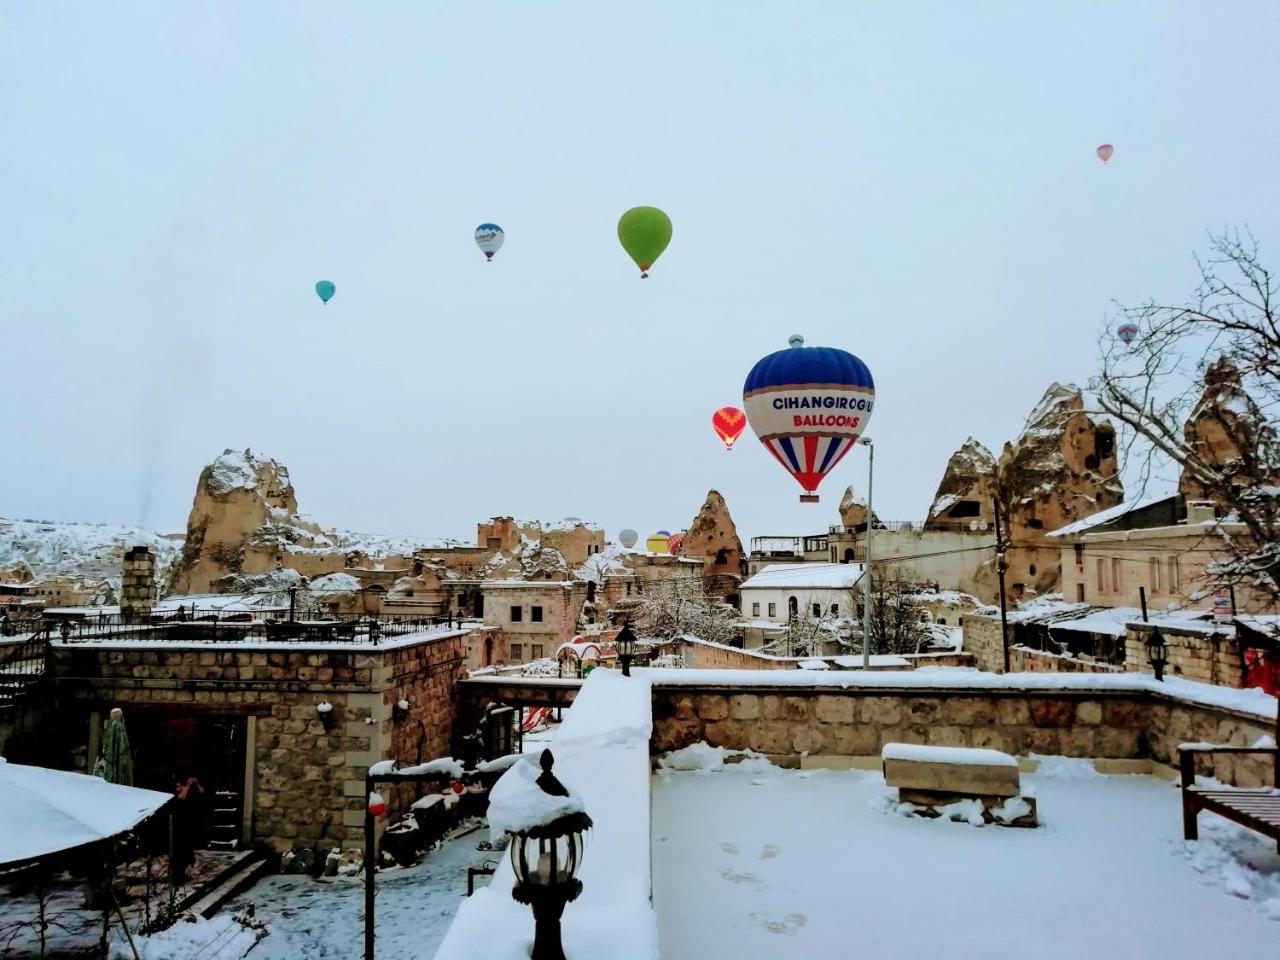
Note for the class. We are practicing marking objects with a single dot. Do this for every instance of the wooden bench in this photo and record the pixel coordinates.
(1257, 808)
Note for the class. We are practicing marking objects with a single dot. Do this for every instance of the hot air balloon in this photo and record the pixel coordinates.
(728, 423)
(325, 290)
(644, 233)
(489, 237)
(675, 543)
(1105, 151)
(658, 542)
(628, 538)
(1127, 332)
(808, 406)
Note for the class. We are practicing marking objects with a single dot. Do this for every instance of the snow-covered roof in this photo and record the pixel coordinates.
(828, 576)
(335, 582)
(1105, 516)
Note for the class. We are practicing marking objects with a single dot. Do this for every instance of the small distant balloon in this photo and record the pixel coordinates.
(325, 290)
(728, 423)
(489, 237)
(675, 543)
(1105, 151)
(628, 538)
(657, 543)
(1127, 332)
(644, 233)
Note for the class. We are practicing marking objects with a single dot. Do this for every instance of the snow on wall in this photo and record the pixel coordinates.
(602, 752)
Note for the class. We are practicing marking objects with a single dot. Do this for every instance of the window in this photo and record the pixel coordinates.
(1173, 574)
(1115, 574)
(517, 652)
(535, 651)
(1032, 569)
(1102, 583)
(817, 609)
(773, 609)
(1155, 574)
(1080, 556)
(835, 609)
(493, 543)
(517, 614)
(1079, 593)
(535, 614)
(722, 557)
(755, 609)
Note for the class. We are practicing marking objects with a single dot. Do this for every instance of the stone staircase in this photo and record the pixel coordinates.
(224, 820)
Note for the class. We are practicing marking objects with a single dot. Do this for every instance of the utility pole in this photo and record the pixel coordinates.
(1001, 566)
(866, 573)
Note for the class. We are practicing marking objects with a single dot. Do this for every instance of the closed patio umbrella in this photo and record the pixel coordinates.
(116, 763)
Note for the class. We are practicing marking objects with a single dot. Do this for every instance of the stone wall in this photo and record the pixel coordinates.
(983, 639)
(704, 655)
(304, 781)
(137, 584)
(787, 721)
(1206, 656)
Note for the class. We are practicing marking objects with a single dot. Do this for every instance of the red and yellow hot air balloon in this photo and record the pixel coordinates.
(1105, 151)
(675, 543)
(728, 423)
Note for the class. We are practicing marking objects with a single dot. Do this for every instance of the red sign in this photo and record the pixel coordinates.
(1223, 611)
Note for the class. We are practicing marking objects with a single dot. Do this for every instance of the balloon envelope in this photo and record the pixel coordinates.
(489, 237)
(628, 538)
(1105, 151)
(658, 542)
(644, 233)
(728, 423)
(1128, 332)
(809, 406)
(675, 543)
(325, 290)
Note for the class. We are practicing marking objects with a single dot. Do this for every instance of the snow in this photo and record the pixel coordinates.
(971, 756)
(82, 549)
(827, 576)
(1249, 701)
(700, 757)
(813, 664)
(839, 873)
(878, 660)
(602, 751)
(445, 766)
(501, 763)
(1105, 516)
(46, 811)
(237, 470)
(334, 583)
(518, 804)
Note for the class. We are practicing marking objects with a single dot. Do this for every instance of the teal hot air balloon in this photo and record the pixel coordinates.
(325, 290)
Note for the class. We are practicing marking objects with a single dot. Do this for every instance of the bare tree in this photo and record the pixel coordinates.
(667, 609)
(1209, 365)
(898, 624)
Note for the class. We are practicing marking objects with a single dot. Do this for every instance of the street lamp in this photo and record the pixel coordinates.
(866, 558)
(1157, 652)
(625, 643)
(546, 859)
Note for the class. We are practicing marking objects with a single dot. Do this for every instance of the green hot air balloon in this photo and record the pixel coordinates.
(644, 233)
(325, 290)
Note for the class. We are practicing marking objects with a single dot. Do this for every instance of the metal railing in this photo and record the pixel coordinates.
(24, 659)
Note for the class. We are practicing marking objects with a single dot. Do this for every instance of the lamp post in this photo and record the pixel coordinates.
(1157, 652)
(625, 643)
(866, 573)
(546, 859)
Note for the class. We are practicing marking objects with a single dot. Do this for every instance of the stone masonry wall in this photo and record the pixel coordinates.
(788, 721)
(137, 584)
(1200, 655)
(307, 782)
(714, 656)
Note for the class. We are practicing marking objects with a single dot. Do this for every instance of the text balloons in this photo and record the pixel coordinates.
(1105, 151)
(728, 423)
(628, 538)
(325, 290)
(489, 237)
(644, 233)
(809, 406)
(1127, 332)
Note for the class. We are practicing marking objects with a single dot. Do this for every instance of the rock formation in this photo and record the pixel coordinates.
(853, 512)
(713, 537)
(967, 491)
(244, 521)
(1229, 434)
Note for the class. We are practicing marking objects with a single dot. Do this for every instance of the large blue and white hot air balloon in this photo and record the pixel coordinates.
(808, 406)
(489, 237)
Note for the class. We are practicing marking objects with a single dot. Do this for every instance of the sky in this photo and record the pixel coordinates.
(913, 182)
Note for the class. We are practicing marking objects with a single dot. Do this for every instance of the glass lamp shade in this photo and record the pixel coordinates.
(625, 642)
(546, 861)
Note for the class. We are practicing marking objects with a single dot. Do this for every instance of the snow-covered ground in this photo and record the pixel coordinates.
(755, 862)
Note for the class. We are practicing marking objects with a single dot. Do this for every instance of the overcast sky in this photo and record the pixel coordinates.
(913, 182)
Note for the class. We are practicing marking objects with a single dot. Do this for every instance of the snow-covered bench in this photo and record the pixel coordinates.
(1258, 809)
(935, 778)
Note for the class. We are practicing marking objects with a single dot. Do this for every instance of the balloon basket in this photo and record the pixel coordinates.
(808, 498)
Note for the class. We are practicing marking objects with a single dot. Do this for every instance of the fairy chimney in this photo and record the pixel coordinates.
(137, 585)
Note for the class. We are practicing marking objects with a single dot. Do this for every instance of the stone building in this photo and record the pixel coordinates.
(535, 618)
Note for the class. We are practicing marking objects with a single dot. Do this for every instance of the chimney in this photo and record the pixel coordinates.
(1201, 511)
(137, 585)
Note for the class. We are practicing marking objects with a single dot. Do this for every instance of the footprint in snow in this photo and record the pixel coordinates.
(728, 847)
(790, 924)
(734, 877)
(769, 851)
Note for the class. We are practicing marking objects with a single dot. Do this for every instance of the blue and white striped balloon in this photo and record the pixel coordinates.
(808, 406)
